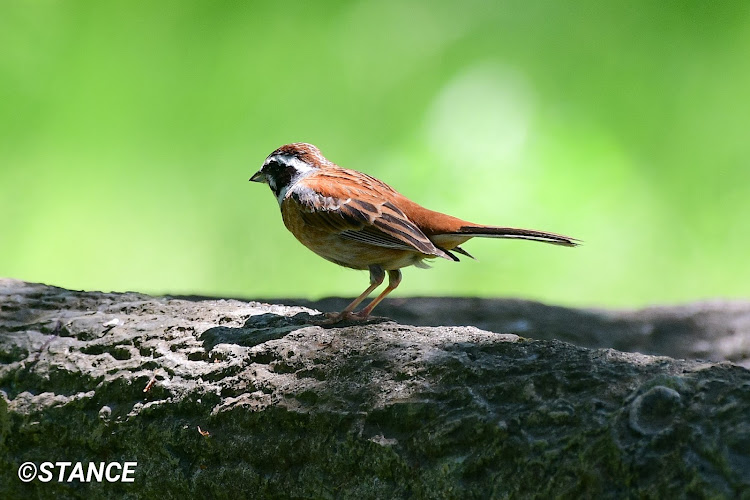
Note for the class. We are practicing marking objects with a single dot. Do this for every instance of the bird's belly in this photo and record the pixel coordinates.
(346, 252)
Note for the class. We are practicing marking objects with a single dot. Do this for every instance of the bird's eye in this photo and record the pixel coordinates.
(273, 167)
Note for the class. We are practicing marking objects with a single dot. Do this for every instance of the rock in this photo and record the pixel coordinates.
(713, 330)
(225, 398)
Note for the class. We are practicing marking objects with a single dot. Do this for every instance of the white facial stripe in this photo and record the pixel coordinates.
(290, 160)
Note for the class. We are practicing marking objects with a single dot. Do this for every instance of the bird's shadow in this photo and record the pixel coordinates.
(261, 328)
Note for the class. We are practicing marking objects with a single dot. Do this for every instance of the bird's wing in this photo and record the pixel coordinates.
(356, 206)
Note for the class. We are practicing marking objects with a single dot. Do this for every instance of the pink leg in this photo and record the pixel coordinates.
(377, 275)
(394, 278)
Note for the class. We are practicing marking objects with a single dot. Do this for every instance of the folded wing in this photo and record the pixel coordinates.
(358, 211)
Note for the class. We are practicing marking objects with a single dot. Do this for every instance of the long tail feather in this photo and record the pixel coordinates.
(521, 234)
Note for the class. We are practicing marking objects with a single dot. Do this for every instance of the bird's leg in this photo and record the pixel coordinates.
(394, 278)
(377, 275)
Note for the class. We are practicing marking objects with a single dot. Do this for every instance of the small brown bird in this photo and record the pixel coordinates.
(357, 221)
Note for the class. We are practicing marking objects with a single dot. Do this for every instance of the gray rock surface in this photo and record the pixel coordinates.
(716, 330)
(224, 398)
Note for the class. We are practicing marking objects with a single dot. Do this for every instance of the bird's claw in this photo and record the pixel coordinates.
(341, 317)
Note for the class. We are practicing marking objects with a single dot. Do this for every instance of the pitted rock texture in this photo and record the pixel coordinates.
(717, 330)
(223, 398)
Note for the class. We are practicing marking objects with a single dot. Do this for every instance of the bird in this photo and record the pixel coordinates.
(357, 221)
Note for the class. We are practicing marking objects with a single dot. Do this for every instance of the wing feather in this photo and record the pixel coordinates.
(358, 210)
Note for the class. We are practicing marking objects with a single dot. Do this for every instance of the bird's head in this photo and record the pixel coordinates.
(287, 165)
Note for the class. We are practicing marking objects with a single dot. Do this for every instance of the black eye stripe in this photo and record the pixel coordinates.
(273, 167)
(281, 174)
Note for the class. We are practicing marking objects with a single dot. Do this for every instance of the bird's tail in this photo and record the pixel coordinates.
(519, 234)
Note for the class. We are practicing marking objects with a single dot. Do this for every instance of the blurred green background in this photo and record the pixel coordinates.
(128, 131)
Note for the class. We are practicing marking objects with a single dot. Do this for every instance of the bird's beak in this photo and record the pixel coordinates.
(259, 177)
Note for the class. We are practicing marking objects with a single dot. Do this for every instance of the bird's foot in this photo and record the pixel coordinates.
(345, 317)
